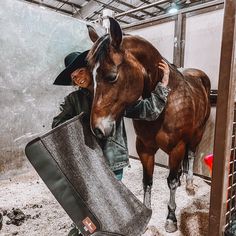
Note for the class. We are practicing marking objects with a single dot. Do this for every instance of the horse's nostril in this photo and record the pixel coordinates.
(99, 134)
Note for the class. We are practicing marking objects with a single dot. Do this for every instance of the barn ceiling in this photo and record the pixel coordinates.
(91, 10)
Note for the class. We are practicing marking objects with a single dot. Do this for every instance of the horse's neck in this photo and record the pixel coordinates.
(146, 54)
(176, 77)
(153, 75)
(149, 57)
(151, 80)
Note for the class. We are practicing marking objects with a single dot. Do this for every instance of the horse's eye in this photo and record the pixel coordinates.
(112, 78)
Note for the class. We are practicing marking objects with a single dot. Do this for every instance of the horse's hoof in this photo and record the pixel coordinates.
(190, 188)
(147, 197)
(171, 226)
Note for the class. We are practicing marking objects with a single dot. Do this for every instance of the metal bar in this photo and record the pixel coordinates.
(168, 15)
(48, 6)
(131, 6)
(224, 123)
(182, 42)
(177, 40)
(228, 212)
(234, 185)
(118, 10)
(206, 10)
(69, 3)
(142, 8)
(180, 28)
(166, 167)
(231, 174)
(66, 2)
(98, 12)
(232, 192)
(157, 7)
(229, 200)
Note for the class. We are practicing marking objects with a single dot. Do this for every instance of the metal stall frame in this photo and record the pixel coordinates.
(180, 25)
(224, 123)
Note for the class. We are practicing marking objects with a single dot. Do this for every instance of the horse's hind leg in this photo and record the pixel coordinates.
(173, 181)
(147, 158)
(189, 178)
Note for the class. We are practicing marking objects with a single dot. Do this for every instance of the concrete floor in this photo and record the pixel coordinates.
(27, 192)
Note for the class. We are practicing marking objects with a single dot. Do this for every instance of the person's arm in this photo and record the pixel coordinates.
(67, 112)
(150, 108)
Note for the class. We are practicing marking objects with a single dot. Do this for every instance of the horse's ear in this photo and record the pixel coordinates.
(92, 33)
(115, 32)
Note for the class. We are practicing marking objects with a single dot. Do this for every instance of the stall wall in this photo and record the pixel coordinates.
(33, 44)
(161, 36)
(202, 51)
(203, 43)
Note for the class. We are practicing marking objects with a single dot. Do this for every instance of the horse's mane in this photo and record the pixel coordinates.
(173, 67)
(100, 50)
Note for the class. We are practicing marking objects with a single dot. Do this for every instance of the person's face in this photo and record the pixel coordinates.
(82, 77)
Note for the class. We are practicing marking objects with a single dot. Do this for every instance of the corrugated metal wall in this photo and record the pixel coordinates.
(33, 44)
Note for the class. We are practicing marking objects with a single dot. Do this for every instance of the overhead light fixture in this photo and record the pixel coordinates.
(173, 8)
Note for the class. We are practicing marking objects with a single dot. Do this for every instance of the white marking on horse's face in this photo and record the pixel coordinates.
(94, 76)
(106, 121)
(106, 125)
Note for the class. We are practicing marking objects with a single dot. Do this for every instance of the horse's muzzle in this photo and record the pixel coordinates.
(104, 129)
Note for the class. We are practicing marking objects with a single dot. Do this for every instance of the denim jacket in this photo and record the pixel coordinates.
(115, 148)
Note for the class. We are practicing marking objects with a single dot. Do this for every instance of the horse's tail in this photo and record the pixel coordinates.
(185, 162)
(206, 83)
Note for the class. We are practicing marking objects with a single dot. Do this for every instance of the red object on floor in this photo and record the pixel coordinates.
(208, 160)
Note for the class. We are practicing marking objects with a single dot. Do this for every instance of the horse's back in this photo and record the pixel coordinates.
(187, 109)
(195, 75)
(199, 86)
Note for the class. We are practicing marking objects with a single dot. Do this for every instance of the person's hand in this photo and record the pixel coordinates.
(166, 72)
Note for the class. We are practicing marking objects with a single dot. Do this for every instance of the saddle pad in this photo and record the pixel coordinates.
(72, 165)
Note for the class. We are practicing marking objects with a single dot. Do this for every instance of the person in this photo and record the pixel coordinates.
(114, 148)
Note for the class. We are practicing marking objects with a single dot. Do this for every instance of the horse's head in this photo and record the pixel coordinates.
(118, 80)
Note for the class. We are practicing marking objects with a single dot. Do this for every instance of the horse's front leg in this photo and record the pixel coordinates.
(173, 180)
(147, 158)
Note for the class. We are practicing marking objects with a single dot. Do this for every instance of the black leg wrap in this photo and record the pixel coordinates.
(171, 183)
(172, 179)
(171, 215)
(147, 180)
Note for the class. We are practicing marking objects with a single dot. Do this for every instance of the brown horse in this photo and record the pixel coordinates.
(124, 68)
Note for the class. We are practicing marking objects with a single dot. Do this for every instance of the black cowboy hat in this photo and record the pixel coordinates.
(73, 61)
